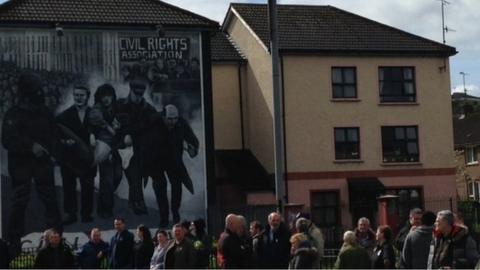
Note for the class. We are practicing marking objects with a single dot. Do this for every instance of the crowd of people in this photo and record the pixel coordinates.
(440, 241)
(427, 241)
(189, 248)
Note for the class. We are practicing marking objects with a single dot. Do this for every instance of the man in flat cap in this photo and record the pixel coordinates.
(28, 134)
(134, 113)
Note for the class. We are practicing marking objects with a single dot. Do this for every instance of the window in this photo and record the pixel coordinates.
(408, 198)
(347, 143)
(344, 82)
(397, 84)
(325, 207)
(471, 155)
(400, 144)
(473, 190)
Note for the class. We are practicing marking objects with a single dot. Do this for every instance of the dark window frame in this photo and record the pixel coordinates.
(347, 144)
(322, 209)
(400, 144)
(390, 96)
(411, 203)
(344, 84)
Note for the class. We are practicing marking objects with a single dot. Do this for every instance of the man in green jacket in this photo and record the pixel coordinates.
(351, 255)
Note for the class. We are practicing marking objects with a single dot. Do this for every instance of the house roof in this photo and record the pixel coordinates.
(109, 12)
(305, 28)
(467, 131)
(460, 96)
(224, 49)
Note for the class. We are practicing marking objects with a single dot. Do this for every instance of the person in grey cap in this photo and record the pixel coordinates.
(134, 114)
(314, 236)
(28, 134)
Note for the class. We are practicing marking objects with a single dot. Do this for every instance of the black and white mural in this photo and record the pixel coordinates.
(99, 124)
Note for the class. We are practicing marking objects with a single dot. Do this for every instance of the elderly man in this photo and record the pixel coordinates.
(453, 247)
(276, 244)
(414, 221)
(235, 254)
(181, 253)
(351, 255)
(365, 235)
(93, 251)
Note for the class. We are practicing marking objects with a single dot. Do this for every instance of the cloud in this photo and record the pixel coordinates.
(473, 90)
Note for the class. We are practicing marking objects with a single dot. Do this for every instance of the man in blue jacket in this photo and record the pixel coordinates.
(92, 253)
(121, 247)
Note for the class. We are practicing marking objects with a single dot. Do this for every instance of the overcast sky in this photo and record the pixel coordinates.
(420, 17)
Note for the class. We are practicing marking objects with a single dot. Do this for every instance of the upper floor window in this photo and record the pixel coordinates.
(471, 155)
(400, 144)
(347, 143)
(344, 82)
(397, 84)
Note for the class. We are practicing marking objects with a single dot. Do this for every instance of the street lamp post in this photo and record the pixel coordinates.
(277, 108)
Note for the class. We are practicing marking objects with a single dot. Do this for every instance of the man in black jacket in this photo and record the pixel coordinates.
(414, 220)
(55, 255)
(75, 118)
(28, 134)
(181, 252)
(276, 244)
(453, 247)
(121, 246)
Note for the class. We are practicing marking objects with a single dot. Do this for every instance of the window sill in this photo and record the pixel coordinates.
(472, 164)
(398, 104)
(345, 100)
(344, 161)
(393, 164)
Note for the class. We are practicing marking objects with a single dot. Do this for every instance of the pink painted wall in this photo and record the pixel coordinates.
(436, 191)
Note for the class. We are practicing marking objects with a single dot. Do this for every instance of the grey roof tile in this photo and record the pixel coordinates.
(224, 49)
(329, 29)
(119, 12)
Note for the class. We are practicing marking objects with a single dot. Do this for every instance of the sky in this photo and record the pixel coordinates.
(419, 17)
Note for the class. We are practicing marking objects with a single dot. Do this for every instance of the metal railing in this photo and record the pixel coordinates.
(26, 259)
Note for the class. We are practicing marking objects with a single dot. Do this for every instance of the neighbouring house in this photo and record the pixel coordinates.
(467, 145)
(366, 108)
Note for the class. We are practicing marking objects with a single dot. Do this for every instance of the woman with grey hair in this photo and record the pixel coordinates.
(352, 256)
(453, 247)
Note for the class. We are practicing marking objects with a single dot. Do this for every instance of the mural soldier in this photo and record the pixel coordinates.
(134, 113)
(28, 134)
